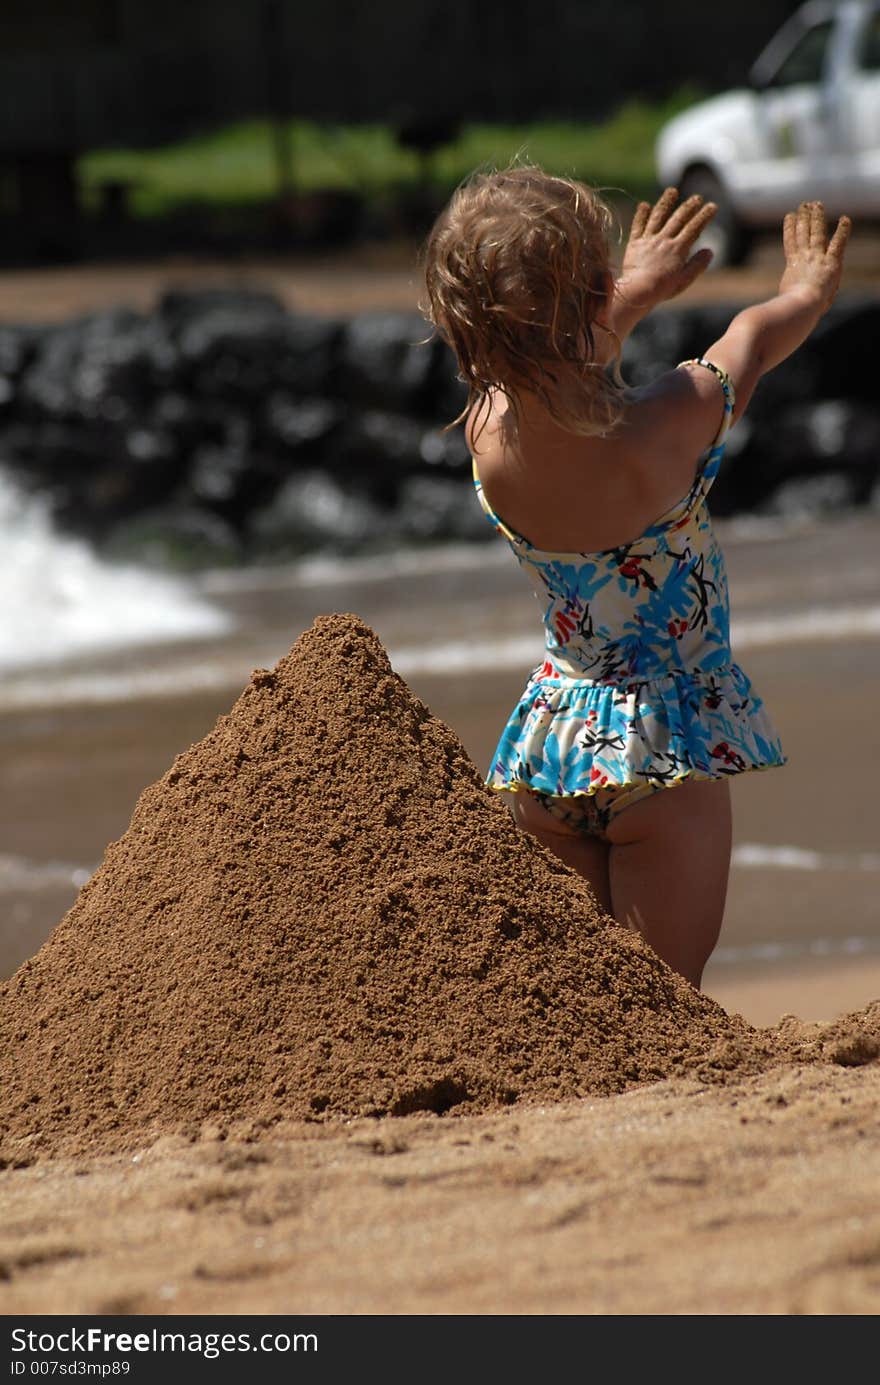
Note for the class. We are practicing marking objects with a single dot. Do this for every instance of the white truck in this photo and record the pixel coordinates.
(807, 125)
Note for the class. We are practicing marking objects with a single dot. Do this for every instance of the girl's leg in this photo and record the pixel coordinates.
(586, 854)
(668, 868)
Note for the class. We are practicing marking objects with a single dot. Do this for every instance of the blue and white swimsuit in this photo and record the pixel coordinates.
(638, 689)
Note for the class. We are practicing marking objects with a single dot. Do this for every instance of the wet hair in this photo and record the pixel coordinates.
(516, 270)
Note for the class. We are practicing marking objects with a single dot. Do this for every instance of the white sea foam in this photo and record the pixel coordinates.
(477, 655)
(330, 569)
(326, 570)
(59, 600)
(63, 689)
(796, 949)
(450, 658)
(21, 874)
(760, 856)
(818, 625)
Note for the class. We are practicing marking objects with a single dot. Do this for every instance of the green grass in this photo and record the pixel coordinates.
(235, 166)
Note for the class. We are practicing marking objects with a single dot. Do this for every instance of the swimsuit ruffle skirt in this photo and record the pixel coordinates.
(638, 686)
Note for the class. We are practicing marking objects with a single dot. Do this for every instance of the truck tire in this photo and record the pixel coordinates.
(726, 236)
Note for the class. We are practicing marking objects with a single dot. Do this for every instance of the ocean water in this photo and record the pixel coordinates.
(59, 601)
(79, 633)
(76, 629)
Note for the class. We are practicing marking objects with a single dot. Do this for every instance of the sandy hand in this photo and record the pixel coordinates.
(813, 263)
(658, 262)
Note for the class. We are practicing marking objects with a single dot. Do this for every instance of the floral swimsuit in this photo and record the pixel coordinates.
(638, 690)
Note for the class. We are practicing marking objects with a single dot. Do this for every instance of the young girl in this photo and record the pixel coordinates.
(601, 493)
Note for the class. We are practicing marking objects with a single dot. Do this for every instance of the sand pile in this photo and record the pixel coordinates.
(320, 911)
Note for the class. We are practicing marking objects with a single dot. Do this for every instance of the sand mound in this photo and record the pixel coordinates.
(320, 911)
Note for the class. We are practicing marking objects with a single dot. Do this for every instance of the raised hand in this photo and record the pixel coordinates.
(813, 263)
(659, 261)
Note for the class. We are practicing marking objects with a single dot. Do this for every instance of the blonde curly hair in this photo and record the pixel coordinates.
(517, 271)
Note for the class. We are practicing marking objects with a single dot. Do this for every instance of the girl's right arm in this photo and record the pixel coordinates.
(680, 413)
(762, 336)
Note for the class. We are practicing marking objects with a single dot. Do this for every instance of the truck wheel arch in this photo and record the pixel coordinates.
(727, 236)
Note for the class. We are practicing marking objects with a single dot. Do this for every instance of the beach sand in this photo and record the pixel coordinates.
(754, 1195)
(678, 1198)
(673, 1199)
(758, 1198)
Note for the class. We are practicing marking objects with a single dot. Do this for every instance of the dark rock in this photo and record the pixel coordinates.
(151, 452)
(312, 511)
(123, 357)
(178, 308)
(173, 537)
(377, 449)
(232, 481)
(668, 337)
(243, 344)
(46, 387)
(216, 476)
(745, 477)
(69, 454)
(805, 440)
(790, 385)
(445, 451)
(657, 345)
(301, 427)
(173, 412)
(811, 437)
(213, 404)
(229, 356)
(105, 367)
(229, 469)
(17, 448)
(810, 497)
(17, 348)
(308, 360)
(140, 468)
(844, 346)
(439, 507)
(388, 361)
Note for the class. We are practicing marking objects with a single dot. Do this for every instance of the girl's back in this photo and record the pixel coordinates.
(649, 608)
(583, 494)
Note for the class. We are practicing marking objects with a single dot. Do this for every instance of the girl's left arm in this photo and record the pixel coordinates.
(659, 261)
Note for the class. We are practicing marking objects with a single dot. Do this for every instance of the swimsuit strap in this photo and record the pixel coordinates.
(729, 394)
(495, 520)
(711, 460)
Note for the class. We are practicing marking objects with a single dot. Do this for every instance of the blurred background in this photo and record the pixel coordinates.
(148, 125)
(221, 413)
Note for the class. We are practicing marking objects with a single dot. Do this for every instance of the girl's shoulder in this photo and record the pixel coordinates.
(683, 411)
